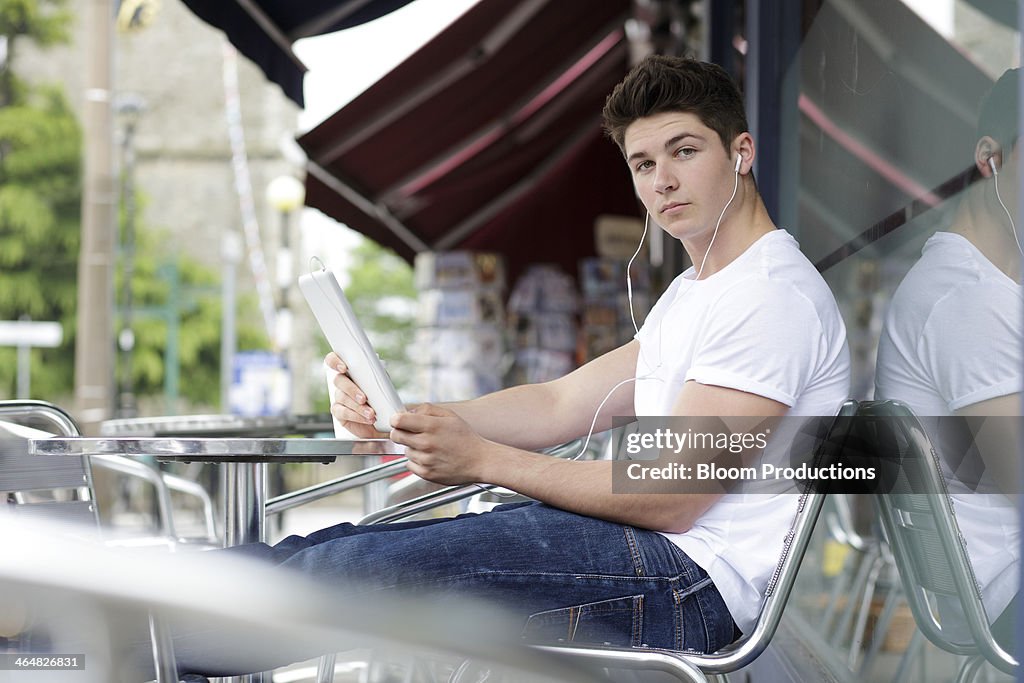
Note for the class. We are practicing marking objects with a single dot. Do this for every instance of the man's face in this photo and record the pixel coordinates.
(681, 171)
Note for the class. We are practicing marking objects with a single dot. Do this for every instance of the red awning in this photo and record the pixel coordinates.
(487, 138)
(264, 30)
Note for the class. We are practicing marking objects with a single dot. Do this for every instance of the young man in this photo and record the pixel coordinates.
(752, 331)
(952, 345)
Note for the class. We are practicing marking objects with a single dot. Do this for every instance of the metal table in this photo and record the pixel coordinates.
(220, 426)
(245, 461)
(226, 425)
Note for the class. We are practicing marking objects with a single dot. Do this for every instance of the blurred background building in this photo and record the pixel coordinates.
(169, 82)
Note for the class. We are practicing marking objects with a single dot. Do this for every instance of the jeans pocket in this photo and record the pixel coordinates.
(618, 621)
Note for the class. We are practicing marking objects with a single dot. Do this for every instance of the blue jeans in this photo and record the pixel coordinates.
(572, 578)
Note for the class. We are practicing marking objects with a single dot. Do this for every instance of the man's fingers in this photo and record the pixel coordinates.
(360, 414)
(363, 410)
(431, 409)
(417, 469)
(344, 384)
(333, 360)
(420, 418)
(412, 422)
(412, 440)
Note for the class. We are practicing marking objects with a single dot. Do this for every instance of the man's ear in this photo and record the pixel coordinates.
(986, 149)
(743, 145)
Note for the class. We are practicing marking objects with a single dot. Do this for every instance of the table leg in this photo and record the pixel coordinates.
(245, 500)
(244, 503)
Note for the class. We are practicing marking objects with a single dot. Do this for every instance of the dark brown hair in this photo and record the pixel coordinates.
(999, 109)
(661, 84)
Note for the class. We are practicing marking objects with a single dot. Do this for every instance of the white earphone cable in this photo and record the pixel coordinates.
(661, 330)
(1013, 226)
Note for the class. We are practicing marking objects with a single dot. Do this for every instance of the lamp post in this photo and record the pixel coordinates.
(285, 194)
(129, 108)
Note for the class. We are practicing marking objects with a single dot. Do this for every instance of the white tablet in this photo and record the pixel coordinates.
(347, 339)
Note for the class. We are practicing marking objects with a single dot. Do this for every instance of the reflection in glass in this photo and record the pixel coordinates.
(951, 345)
(889, 93)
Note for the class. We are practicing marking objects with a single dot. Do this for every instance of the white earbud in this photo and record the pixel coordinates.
(739, 160)
(992, 165)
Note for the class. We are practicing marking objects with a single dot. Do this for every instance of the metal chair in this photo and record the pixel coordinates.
(685, 666)
(734, 657)
(51, 487)
(58, 489)
(62, 488)
(868, 565)
(918, 518)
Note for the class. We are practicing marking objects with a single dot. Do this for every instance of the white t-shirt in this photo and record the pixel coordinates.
(766, 324)
(952, 338)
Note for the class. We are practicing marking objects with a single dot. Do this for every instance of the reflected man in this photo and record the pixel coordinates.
(952, 346)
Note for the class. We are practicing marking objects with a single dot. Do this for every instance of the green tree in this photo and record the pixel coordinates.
(40, 194)
(172, 292)
(44, 22)
(40, 223)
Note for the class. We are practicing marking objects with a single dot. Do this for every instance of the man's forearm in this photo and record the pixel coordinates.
(535, 416)
(526, 417)
(585, 487)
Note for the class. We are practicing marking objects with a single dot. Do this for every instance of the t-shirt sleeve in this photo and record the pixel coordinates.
(762, 337)
(971, 344)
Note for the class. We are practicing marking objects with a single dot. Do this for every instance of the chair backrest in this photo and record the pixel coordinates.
(918, 518)
(57, 488)
(742, 652)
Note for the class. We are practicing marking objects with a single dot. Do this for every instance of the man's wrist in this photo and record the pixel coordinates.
(492, 467)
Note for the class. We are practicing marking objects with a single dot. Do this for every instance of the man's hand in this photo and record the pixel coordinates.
(350, 404)
(440, 445)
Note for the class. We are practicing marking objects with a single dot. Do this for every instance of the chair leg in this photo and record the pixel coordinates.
(907, 661)
(970, 669)
(839, 589)
(863, 571)
(470, 671)
(325, 669)
(857, 637)
(881, 629)
(163, 651)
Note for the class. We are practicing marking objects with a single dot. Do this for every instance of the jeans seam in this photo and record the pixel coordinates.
(441, 580)
(634, 551)
(638, 620)
(677, 615)
(678, 596)
(704, 619)
(576, 575)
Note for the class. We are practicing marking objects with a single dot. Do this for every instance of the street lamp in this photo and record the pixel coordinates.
(286, 194)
